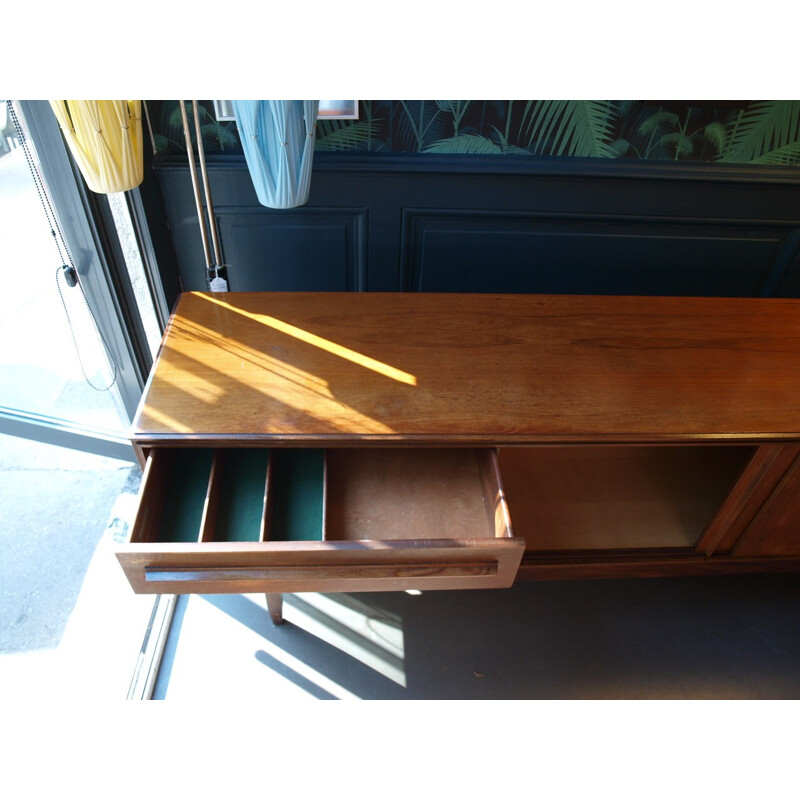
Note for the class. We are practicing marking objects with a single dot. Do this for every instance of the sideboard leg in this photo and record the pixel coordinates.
(275, 608)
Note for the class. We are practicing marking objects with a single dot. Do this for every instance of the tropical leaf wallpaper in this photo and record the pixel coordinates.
(744, 132)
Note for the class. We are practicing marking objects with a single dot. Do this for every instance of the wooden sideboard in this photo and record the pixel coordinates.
(366, 441)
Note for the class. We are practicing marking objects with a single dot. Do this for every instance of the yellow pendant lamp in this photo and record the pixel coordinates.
(105, 139)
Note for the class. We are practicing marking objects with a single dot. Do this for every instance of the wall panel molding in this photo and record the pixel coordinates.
(538, 252)
(463, 223)
(321, 249)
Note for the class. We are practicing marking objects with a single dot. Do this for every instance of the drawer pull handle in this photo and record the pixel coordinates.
(319, 572)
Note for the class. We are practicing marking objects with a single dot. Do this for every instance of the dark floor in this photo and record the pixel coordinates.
(732, 637)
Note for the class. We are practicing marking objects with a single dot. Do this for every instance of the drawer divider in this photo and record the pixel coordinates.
(211, 506)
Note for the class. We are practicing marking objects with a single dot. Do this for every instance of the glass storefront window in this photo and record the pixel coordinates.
(48, 349)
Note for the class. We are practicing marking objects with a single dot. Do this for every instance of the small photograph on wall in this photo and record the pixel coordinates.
(338, 109)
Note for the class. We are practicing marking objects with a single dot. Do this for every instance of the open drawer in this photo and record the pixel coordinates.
(340, 520)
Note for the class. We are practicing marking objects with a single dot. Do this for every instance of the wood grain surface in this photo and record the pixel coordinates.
(343, 566)
(454, 368)
(775, 531)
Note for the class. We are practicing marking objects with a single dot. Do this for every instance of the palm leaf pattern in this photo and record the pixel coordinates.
(716, 134)
(337, 135)
(457, 108)
(420, 124)
(222, 135)
(582, 128)
(788, 154)
(465, 143)
(762, 132)
(655, 122)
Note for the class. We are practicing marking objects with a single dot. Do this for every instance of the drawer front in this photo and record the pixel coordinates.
(240, 521)
(339, 567)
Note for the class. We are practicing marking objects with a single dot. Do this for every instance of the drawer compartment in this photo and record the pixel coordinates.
(175, 510)
(402, 494)
(237, 495)
(593, 498)
(293, 520)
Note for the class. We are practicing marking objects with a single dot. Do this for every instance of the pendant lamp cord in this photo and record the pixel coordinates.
(67, 268)
(150, 128)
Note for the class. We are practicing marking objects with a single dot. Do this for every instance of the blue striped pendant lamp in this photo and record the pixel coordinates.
(278, 142)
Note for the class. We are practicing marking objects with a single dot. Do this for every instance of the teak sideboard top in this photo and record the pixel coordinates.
(317, 368)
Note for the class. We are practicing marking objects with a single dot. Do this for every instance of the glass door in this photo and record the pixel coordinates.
(69, 371)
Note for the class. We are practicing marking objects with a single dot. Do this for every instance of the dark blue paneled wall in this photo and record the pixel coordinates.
(473, 224)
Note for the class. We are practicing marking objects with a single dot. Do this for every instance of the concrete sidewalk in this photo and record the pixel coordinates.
(66, 612)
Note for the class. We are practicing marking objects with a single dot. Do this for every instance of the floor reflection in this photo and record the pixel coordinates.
(369, 634)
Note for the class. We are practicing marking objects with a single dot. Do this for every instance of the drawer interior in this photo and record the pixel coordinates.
(250, 495)
(237, 496)
(297, 496)
(405, 494)
(176, 484)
